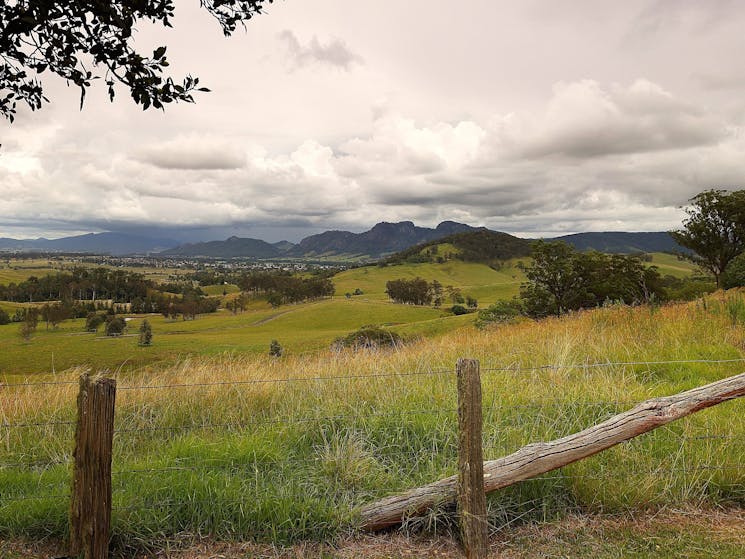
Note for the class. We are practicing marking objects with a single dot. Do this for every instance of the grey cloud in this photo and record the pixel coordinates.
(586, 121)
(665, 16)
(335, 53)
(193, 153)
(721, 81)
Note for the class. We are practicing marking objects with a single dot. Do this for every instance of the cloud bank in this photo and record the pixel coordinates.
(594, 157)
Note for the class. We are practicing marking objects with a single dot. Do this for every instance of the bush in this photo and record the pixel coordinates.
(4, 317)
(93, 321)
(369, 337)
(115, 326)
(499, 313)
(734, 276)
(458, 310)
(687, 289)
(275, 349)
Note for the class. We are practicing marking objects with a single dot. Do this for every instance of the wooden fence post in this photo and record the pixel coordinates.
(90, 509)
(471, 495)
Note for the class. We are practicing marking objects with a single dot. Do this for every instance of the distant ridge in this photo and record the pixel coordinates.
(622, 242)
(384, 238)
(234, 247)
(113, 243)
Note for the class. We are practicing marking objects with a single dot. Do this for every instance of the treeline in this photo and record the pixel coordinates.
(419, 291)
(79, 284)
(188, 306)
(283, 288)
(560, 280)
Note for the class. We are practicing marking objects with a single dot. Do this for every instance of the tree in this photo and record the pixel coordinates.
(714, 230)
(115, 326)
(555, 279)
(146, 333)
(562, 279)
(93, 321)
(4, 317)
(83, 40)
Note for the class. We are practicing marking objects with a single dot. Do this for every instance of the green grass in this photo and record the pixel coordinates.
(298, 328)
(219, 289)
(286, 461)
(477, 280)
(669, 264)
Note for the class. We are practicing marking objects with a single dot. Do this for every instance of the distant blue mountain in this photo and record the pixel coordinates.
(116, 244)
(623, 243)
(382, 239)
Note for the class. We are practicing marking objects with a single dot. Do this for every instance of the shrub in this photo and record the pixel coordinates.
(25, 331)
(115, 326)
(275, 349)
(458, 310)
(499, 313)
(93, 321)
(4, 317)
(369, 337)
(146, 333)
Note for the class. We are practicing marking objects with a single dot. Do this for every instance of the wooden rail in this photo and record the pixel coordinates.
(539, 458)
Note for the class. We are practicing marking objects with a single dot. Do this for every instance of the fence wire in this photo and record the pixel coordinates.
(294, 377)
(491, 410)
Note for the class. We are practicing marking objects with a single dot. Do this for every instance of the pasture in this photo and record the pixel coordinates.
(299, 328)
(244, 446)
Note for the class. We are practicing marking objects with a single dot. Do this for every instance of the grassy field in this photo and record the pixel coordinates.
(299, 328)
(15, 270)
(293, 457)
(477, 280)
(669, 264)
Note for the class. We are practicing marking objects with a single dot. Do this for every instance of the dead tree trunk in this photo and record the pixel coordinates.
(539, 458)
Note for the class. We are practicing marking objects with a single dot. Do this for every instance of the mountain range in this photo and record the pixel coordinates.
(99, 243)
(383, 239)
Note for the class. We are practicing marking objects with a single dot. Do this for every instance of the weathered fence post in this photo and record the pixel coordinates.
(471, 494)
(90, 509)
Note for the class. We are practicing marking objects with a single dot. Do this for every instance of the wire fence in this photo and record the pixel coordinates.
(24, 473)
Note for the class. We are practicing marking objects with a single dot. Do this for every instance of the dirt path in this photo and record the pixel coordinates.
(666, 534)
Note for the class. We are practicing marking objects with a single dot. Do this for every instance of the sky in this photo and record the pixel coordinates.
(539, 118)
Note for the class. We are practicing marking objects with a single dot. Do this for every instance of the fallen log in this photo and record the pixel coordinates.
(539, 458)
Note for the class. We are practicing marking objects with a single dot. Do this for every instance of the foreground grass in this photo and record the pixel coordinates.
(293, 458)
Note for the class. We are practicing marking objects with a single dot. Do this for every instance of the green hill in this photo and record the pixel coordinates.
(478, 280)
(472, 246)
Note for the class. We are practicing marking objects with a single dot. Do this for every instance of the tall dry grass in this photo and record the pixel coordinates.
(293, 457)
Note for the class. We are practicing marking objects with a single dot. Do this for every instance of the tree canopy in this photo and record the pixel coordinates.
(714, 230)
(84, 40)
(561, 279)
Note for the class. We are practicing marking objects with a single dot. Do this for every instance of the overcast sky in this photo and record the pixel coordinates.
(532, 117)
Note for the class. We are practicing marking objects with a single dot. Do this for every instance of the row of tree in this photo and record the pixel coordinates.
(283, 288)
(419, 291)
(79, 284)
